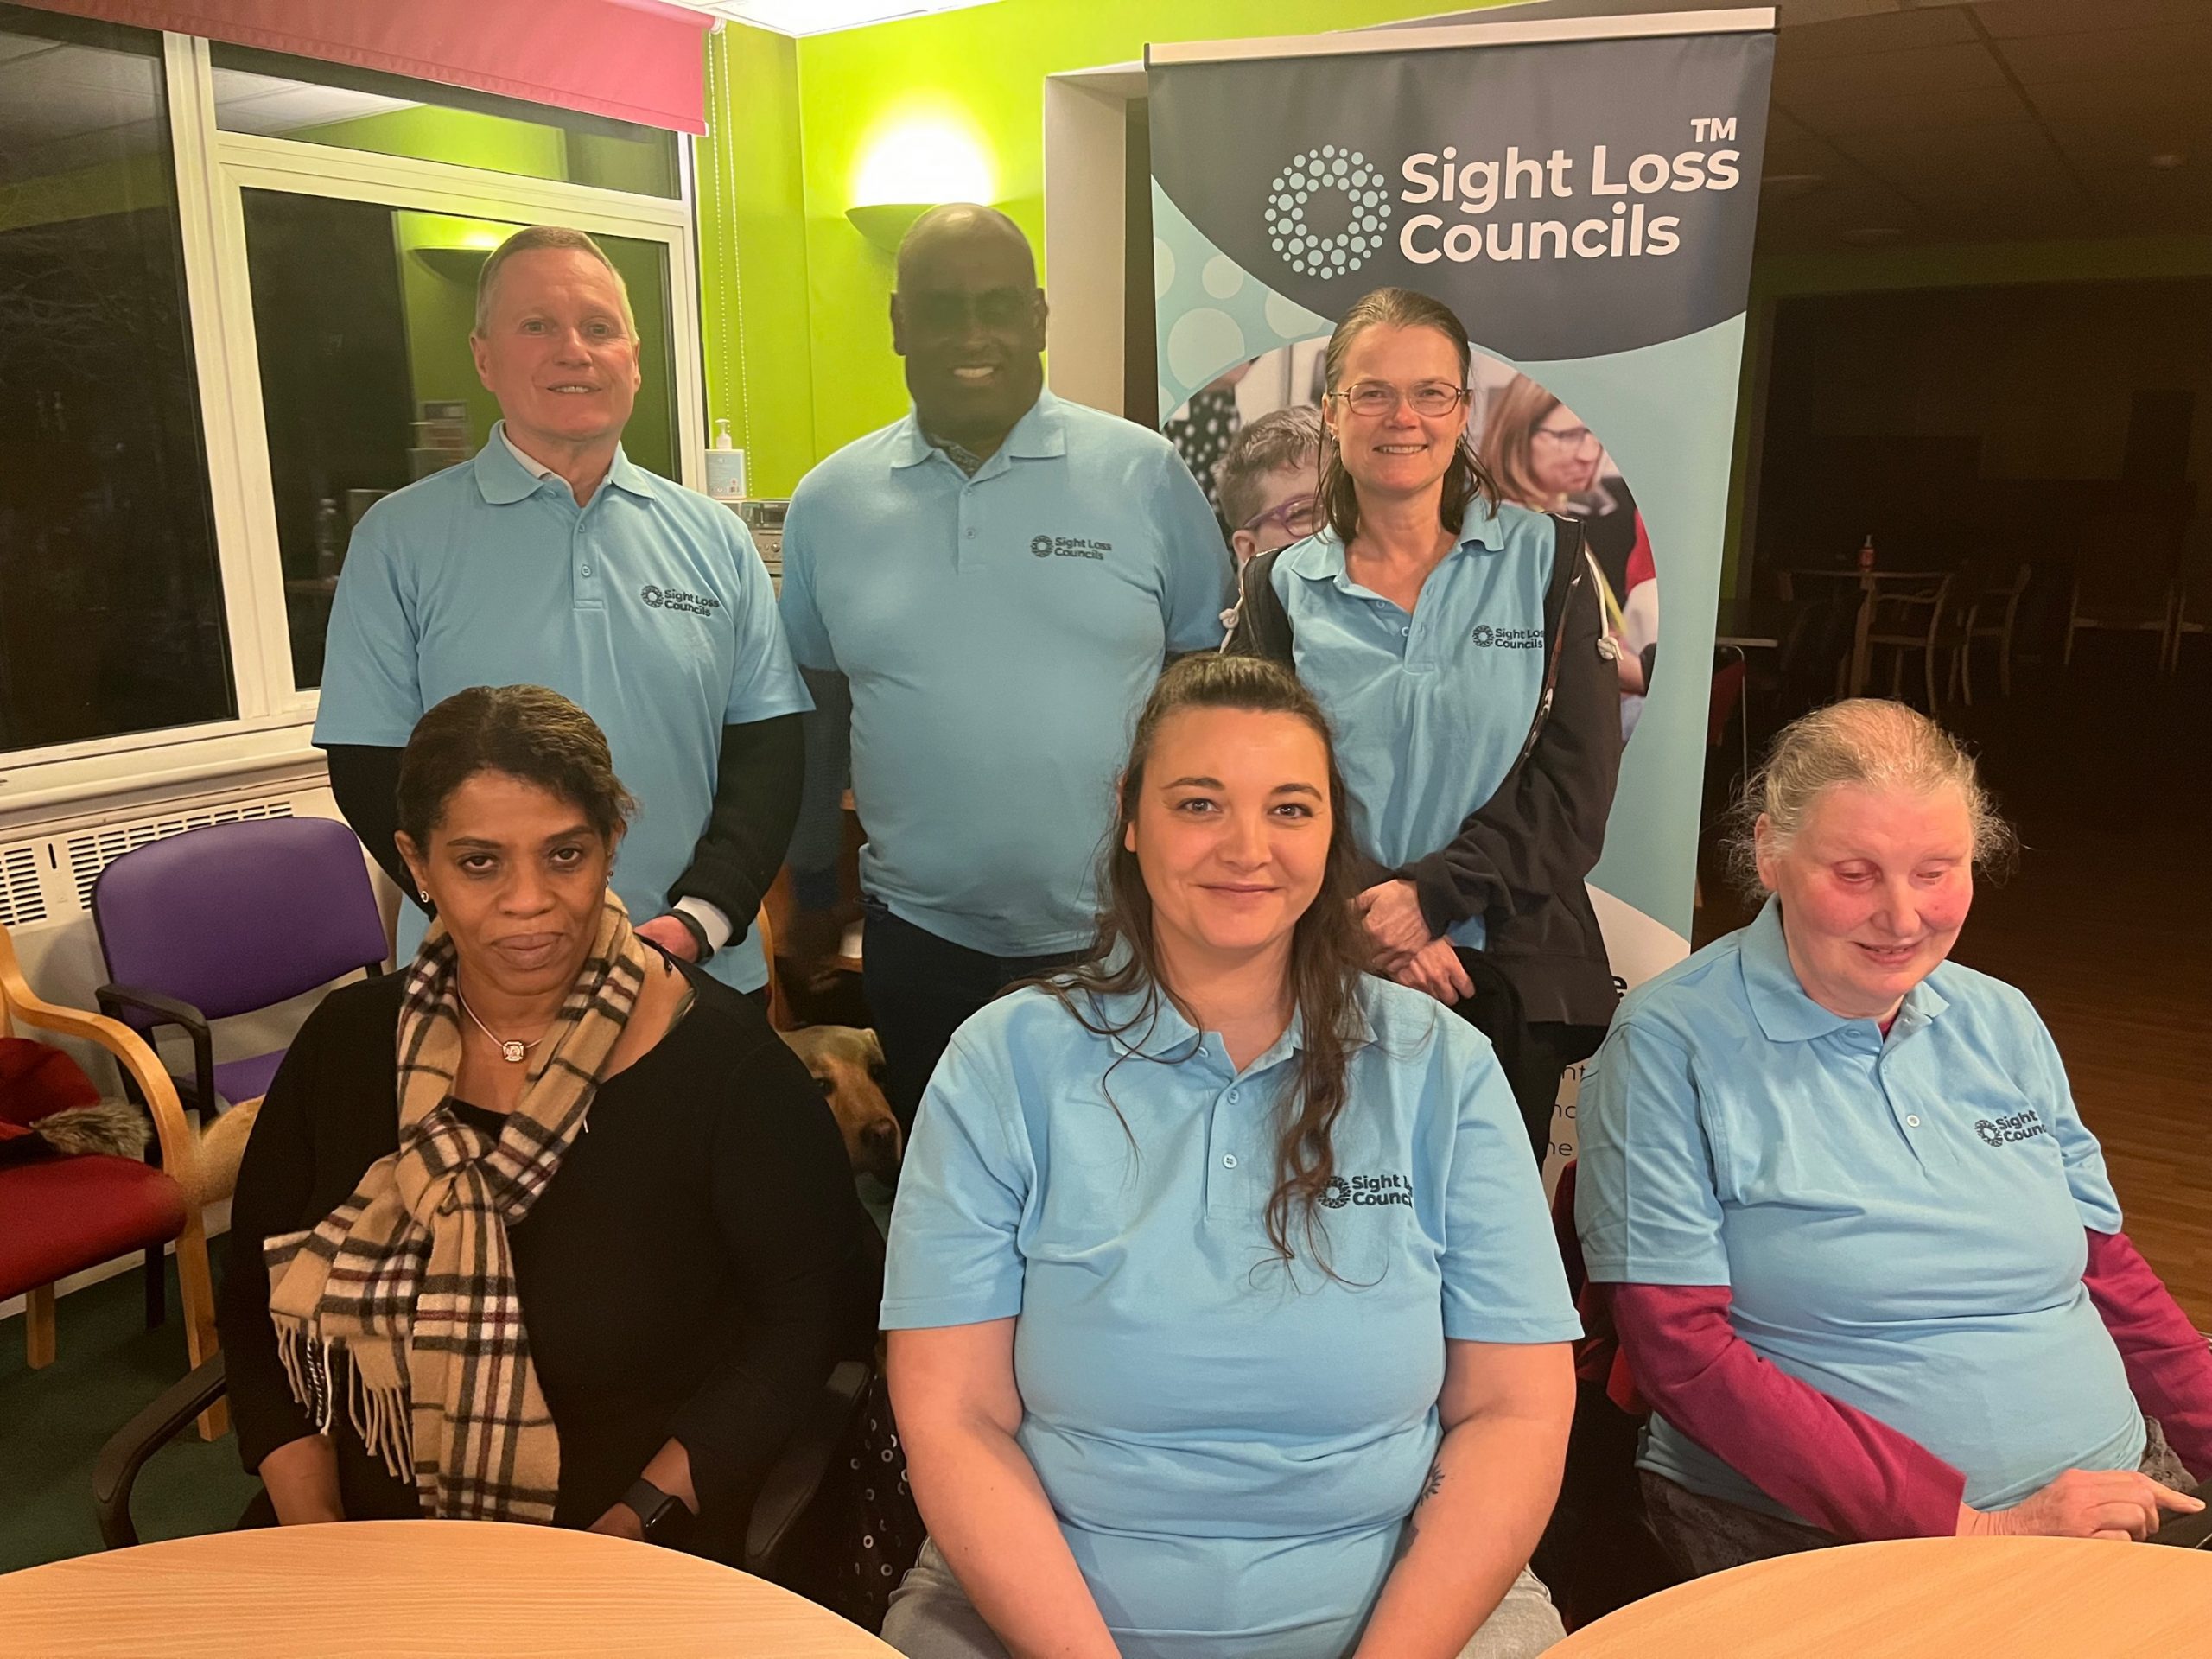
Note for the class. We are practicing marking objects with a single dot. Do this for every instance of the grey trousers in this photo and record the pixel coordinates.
(1710, 1535)
(931, 1617)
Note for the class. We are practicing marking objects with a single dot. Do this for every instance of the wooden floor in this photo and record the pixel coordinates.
(2106, 922)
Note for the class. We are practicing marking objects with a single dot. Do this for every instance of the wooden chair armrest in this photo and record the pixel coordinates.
(130, 1049)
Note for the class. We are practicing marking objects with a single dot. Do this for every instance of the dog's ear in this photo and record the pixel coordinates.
(872, 1049)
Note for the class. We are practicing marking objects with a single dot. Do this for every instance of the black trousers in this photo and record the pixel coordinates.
(920, 988)
(1533, 1055)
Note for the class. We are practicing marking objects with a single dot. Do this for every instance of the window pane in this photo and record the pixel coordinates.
(335, 104)
(361, 316)
(110, 598)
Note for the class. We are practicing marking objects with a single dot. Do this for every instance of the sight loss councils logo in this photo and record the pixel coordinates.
(2021, 1126)
(1342, 185)
(675, 599)
(1365, 1191)
(1509, 639)
(1069, 547)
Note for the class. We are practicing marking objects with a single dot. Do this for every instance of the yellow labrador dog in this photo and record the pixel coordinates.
(847, 1063)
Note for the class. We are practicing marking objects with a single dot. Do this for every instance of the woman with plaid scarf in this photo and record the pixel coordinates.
(549, 1227)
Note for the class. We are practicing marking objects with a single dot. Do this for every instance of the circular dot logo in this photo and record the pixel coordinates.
(652, 596)
(1337, 1193)
(1343, 184)
(1041, 546)
(1483, 635)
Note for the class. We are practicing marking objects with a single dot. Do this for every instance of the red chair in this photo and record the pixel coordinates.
(63, 1215)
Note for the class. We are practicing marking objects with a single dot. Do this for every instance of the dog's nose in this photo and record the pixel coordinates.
(880, 1147)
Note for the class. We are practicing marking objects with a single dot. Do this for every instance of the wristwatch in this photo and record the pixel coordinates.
(661, 1515)
(697, 930)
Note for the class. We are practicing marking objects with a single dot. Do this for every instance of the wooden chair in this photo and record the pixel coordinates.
(1914, 619)
(113, 1206)
(1993, 615)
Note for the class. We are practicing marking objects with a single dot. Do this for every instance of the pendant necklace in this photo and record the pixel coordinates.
(510, 1050)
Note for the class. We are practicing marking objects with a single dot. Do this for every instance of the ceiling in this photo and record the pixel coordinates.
(1999, 121)
(822, 16)
(1904, 122)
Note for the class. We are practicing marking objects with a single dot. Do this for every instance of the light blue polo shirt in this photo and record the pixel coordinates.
(648, 608)
(999, 633)
(1431, 710)
(1899, 1224)
(1232, 1449)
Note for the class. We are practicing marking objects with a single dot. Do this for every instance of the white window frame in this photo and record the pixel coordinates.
(213, 167)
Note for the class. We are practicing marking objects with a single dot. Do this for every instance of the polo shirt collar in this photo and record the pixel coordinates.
(505, 476)
(1320, 556)
(1161, 1033)
(1039, 435)
(1779, 1003)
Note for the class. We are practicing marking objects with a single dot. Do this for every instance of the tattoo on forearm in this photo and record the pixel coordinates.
(1430, 1482)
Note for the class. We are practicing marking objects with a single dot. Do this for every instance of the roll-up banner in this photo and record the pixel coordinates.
(1583, 194)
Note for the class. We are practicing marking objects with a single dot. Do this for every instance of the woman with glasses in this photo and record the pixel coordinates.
(1458, 645)
(1544, 457)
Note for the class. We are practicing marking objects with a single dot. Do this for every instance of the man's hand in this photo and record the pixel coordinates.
(1437, 969)
(675, 938)
(1390, 910)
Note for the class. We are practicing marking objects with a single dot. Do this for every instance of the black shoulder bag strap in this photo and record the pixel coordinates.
(1569, 564)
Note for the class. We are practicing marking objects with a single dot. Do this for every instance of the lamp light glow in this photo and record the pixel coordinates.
(932, 159)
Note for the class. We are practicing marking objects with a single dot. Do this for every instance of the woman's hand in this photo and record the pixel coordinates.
(621, 1521)
(1436, 968)
(1390, 910)
(2115, 1503)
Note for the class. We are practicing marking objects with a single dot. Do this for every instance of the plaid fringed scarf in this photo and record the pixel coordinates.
(411, 1280)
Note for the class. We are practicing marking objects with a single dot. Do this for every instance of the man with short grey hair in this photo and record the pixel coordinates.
(554, 560)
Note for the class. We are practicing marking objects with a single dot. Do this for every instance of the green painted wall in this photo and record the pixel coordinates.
(755, 320)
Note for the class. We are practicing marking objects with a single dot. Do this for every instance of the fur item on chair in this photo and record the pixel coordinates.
(215, 1161)
(115, 1128)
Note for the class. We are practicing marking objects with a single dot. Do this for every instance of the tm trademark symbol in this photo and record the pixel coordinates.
(1711, 129)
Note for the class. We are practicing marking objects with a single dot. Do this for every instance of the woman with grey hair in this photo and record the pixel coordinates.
(1866, 1263)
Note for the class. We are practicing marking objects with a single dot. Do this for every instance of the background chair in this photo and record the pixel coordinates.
(223, 921)
(786, 1494)
(1992, 614)
(1913, 619)
(64, 1215)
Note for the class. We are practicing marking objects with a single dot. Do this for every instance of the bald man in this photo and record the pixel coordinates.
(999, 577)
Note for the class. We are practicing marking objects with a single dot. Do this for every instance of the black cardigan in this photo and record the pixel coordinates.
(696, 1267)
(1519, 859)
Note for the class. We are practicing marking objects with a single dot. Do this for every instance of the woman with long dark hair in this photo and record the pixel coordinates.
(1457, 643)
(1226, 1318)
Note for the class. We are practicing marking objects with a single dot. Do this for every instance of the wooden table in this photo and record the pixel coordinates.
(411, 1587)
(1925, 1599)
(1869, 582)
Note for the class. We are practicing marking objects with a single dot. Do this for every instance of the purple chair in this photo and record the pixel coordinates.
(227, 920)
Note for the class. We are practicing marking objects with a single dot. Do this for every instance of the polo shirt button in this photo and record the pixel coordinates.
(971, 535)
(1228, 1160)
(1232, 1097)
(1911, 1122)
(586, 569)
(1405, 633)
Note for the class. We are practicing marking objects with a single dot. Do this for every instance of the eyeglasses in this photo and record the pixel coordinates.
(1373, 397)
(1298, 517)
(1568, 437)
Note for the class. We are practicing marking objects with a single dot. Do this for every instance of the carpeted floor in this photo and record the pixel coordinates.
(52, 1423)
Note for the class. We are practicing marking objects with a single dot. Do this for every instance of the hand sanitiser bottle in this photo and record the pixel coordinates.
(725, 466)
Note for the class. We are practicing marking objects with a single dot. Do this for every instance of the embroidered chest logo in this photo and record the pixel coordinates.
(1069, 547)
(1362, 1191)
(1507, 638)
(2021, 1126)
(675, 599)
